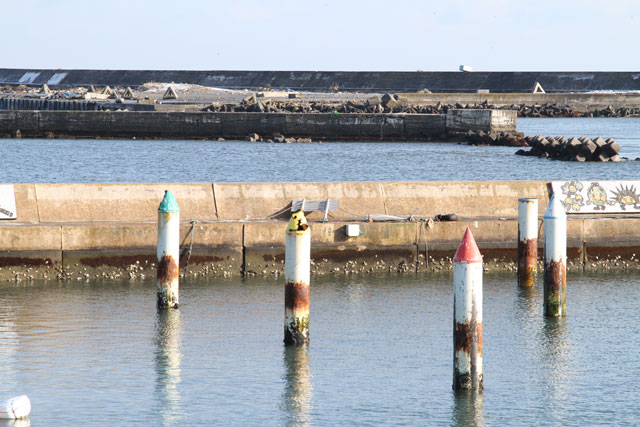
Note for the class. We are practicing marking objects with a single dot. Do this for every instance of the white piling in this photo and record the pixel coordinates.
(555, 259)
(527, 242)
(297, 266)
(168, 252)
(467, 313)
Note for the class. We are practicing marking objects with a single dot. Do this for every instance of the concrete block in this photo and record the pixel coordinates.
(303, 124)
(76, 123)
(238, 125)
(372, 234)
(26, 203)
(118, 202)
(265, 234)
(466, 199)
(109, 236)
(371, 126)
(212, 235)
(25, 121)
(210, 125)
(393, 127)
(262, 200)
(30, 237)
(481, 120)
(424, 126)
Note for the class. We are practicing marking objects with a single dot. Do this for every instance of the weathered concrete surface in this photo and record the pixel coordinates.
(106, 202)
(253, 201)
(79, 231)
(204, 125)
(372, 81)
(462, 121)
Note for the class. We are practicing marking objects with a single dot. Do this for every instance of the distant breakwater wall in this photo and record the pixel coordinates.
(72, 231)
(43, 103)
(532, 104)
(323, 81)
(128, 124)
(575, 106)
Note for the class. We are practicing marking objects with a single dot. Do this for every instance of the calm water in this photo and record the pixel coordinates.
(381, 353)
(62, 161)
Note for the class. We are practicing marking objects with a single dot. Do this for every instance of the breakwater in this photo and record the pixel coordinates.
(239, 125)
(371, 81)
(536, 106)
(77, 231)
(582, 149)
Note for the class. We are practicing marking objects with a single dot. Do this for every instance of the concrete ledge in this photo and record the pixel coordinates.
(109, 230)
(30, 237)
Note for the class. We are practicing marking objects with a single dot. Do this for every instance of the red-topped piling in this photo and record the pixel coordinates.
(467, 315)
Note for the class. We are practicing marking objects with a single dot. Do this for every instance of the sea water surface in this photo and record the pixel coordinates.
(103, 161)
(99, 353)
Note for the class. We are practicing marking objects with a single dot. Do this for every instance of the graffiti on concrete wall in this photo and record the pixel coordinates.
(598, 196)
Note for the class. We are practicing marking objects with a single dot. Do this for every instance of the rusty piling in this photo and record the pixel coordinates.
(297, 267)
(168, 252)
(555, 259)
(527, 242)
(467, 315)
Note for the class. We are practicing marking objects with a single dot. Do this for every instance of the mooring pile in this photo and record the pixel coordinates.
(581, 149)
(467, 278)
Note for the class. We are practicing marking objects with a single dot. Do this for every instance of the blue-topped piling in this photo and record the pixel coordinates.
(168, 252)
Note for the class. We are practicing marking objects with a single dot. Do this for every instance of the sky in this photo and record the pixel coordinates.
(347, 35)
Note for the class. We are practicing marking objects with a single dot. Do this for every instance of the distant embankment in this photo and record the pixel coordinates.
(318, 126)
(365, 81)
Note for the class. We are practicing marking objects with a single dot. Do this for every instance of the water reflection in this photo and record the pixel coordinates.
(168, 355)
(554, 359)
(297, 393)
(15, 423)
(529, 299)
(8, 345)
(467, 408)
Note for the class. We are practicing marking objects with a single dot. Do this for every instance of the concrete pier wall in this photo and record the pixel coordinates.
(239, 125)
(371, 81)
(75, 230)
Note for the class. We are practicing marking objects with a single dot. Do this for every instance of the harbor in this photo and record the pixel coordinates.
(382, 199)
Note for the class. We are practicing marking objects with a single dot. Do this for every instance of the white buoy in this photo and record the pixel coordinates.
(15, 408)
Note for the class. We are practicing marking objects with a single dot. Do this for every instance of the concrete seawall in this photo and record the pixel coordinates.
(129, 124)
(371, 81)
(75, 231)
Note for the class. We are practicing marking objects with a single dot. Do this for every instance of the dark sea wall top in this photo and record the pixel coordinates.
(366, 81)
